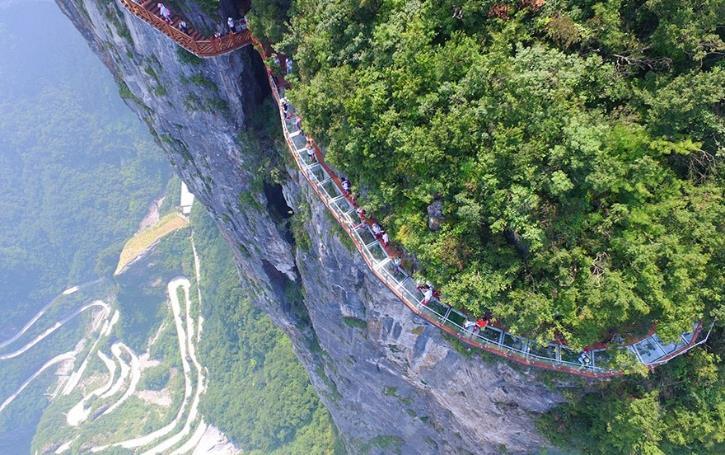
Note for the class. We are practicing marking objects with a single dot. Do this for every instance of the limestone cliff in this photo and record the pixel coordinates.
(391, 381)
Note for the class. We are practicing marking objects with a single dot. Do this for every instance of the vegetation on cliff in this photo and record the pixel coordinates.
(576, 150)
(573, 146)
(259, 395)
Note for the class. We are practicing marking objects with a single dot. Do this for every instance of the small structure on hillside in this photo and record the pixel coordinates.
(187, 200)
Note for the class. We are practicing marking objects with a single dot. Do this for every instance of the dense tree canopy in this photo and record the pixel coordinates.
(575, 146)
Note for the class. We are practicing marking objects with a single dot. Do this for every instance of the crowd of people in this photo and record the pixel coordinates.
(233, 26)
(427, 289)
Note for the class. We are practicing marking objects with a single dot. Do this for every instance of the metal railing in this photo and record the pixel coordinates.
(650, 351)
(205, 48)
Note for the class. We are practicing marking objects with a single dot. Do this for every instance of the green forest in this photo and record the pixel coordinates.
(77, 172)
(259, 395)
(575, 148)
(77, 169)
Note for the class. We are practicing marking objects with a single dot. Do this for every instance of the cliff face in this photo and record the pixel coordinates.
(390, 380)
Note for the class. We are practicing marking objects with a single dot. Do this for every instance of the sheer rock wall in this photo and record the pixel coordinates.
(391, 382)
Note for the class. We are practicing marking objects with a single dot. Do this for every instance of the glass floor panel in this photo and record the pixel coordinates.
(514, 342)
(567, 355)
(291, 127)
(457, 318)
(687, 337)
(667, 347)
(330, 188)
(365, 235)
(437, 308)
(300, 141)
(378, 252)
(344, 206)
(411, 292)
(395, 271)
(648, 350)
(491, 334)
(547, 352)
(306, 158)
(318, 173)
(603, 359)
(410, 286)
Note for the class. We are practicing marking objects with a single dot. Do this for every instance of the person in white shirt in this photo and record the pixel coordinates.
(427, 295)
(310, 153)
(164, 11)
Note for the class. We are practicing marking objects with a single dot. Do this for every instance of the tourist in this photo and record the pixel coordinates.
(481, 323)
(377, 229)
(361, 214)
(230, 24)
(346, 185)
(584, 358)
(288, 64)
(397, 261)
(183, 27)
(164, 12)
(470, 327)
(286, 109)
(385, 239)
(428, 291)
(298, 123)
(310, 147)
(243, 24)
(427, 295)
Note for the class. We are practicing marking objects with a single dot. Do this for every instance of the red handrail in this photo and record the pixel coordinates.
(205, 48)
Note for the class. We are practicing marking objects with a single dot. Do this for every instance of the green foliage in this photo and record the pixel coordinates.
(576, 148)
(258, 393)
(209, 6)
(155, 378)
(187, 57)
(269, 19)
(355, 323)
(576, 161)
(142, 293)
(202, 81)
(74, 160)
(677, 411)
(298, 223)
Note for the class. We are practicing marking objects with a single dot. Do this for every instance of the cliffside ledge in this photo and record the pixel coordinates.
(391, 381)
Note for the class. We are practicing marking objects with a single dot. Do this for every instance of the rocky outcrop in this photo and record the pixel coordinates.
(391, 381)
